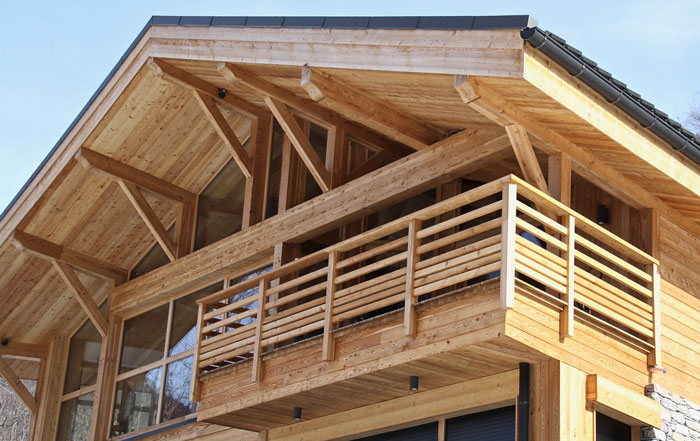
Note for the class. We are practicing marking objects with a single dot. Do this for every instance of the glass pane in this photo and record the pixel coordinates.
(74, 422)
(153, 259)
(83, 358)
(176, 401)
(220, 207)
(182, 337)
(136, 402)
(144, 339)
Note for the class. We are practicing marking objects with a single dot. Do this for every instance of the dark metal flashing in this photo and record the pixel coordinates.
(614, 91)
(570, 58)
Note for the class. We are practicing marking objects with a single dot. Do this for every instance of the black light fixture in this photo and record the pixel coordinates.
(222, 93)
(414, 382)
(4, 342)
(603, 215)
(297, 414)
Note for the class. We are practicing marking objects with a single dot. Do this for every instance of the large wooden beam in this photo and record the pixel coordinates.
(82, 295)
(225, 132)
(155, 226)
(406, 177)
(300, 142)
(23, 350)
(491, 104)
(185, 79)
(44, 249)
(360, 107)
(559, 177)
(255, 196)
(185, 226)
(50, 386)
(325, 117)
(106, 373)
(526, 157)
(116, 170)
(17, 386)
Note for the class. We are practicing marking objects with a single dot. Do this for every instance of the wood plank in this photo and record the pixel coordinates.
(328, 344)
(149, 217)
(412, 258)
(106, 374)
(301, 143)
(192, 82)
(50, 394)
(255, 197)
(17, 386)
(185, 227)
(44, 249)
(117, 171)
(508, 217)
(620, 403)
(240, 76)
(559, 177)
(526, 157)
(225, 132)
(356, 105)
(566, 319)
(337, 152)
(82, 295)
(257, 374)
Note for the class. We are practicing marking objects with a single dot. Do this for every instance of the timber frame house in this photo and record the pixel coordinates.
(315, 228)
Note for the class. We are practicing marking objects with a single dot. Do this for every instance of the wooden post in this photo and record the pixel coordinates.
(559, 177)
(510, 194)
(185, 228)
(194, 383)
(409, 314)
(337, 155)
(49, 403)
(106, 374)
(566, 317)
(328, 341)
(255, 196)
(257, 358)
(654, 358)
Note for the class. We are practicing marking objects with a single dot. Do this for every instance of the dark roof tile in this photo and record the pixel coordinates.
(346, 22)
(464, 22)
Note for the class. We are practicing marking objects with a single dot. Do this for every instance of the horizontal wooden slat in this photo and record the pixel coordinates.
(391, 260)
(613, 258)
(542, 235)
(457, 220)
(459, 278)
(313, 275)
(371, 253)
(461, 235)
(613, 274)
(536, 215)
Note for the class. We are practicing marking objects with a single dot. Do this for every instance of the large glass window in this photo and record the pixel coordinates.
(80, 382)
(155, 366)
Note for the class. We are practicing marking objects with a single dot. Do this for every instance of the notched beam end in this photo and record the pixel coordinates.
(308, 84)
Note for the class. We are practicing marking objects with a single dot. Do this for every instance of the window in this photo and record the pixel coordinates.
(609, 429)
(80, 382)
(155, 365)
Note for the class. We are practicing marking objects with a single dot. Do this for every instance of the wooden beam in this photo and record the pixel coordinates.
(116, 170)
(49, 395)
(185, 79)
(559, 177)
(406, 177)
(225, 132)
(466, 397)
(48, 250)
(106, 373)
(300, 142)
(23, 350)
(526, 157)
(17, 386)
(337, 149)
(185, 226)
(154, 224)
(241, 77)
(255, 196)
(82, 295)
(358, 106)
(620, 403)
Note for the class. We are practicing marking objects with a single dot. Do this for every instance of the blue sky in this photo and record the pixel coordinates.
(56, 53)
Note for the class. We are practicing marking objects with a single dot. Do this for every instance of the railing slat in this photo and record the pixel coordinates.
(566, 323)
(328, 349)
(257, 349)
(409, 318)
(510, 195)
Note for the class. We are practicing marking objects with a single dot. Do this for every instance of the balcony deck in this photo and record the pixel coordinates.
(466, 288)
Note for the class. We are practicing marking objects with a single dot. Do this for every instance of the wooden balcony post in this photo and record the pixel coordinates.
(566, 317)
(654, 359)
(510, 194)
(257, 358)
(328, 342)
(194, 384)
(411, 259)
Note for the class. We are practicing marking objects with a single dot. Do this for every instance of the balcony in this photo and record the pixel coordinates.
(468, 286)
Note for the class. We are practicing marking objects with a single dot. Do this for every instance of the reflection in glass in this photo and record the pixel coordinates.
(176, 401)
(144, 339)
(74, 421)
(183, 334)
(153, 259)
(83, 358)
(220, 206)
(247, 293)
(136, 402)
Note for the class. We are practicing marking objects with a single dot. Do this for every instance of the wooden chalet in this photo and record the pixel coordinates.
(320, 228)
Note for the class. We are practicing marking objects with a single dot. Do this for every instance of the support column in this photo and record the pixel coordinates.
(106, 374)
(49, 397)
(256, 187)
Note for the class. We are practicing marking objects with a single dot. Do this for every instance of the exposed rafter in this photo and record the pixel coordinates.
(23, 351)
(358, 106)
(241, 77)
(116, 170)
(154, 224)
(17, 386)
(225, 132)
(301, 142)
(492, 105)
(185, 79)
(82, 295)
(44, 249)
(525, 155)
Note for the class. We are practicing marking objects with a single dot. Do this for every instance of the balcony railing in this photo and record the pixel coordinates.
(505, 229)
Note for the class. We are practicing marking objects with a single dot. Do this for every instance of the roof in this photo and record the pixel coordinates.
(553, 46)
